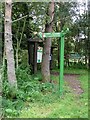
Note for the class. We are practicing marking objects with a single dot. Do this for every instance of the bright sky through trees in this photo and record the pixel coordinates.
(84, 7)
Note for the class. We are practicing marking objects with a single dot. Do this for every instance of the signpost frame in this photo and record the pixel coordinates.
(60, 35)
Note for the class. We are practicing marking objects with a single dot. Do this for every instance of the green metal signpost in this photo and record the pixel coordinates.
(61, 35)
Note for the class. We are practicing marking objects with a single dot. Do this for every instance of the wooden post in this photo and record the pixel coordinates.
(35, 58)
(51, 66)
(28, 53)
(30, 56)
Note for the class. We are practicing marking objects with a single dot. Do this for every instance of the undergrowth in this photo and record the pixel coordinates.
(30, 89)
(34, 98)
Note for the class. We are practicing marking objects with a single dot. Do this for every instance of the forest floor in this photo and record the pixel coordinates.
(72, 104)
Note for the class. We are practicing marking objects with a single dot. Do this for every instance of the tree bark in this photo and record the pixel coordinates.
(8, 44)
(45, 69)
(61, 28)
(89, 35)
(57, 30)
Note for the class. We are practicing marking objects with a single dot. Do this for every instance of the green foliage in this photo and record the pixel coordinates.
(23, 73)
(68, 106)
(29, 89)
(75, 65)
(35, 96)
(9, 108)
(13, 100)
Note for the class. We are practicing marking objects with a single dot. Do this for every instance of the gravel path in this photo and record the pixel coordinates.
(72, 81)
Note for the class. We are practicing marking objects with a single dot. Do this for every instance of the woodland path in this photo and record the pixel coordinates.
(72, 81)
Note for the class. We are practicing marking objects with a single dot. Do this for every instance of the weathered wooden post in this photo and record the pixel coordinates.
(32, 53)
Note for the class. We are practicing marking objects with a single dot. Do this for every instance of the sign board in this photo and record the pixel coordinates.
(39, 54)
(53, 34)
(49, 35)
(75, 56)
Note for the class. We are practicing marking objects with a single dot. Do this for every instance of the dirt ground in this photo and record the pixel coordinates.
(72, 81)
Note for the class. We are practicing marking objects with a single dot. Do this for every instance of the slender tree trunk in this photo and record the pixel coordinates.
(17, 49)
(8, 45)
(89, 34)
(47, 46)
(28, 31)
(57, 30)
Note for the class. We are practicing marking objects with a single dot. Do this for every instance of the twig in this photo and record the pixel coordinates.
(19, 18)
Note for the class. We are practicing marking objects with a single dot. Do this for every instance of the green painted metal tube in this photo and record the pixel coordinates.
(49, 35)
(61, 35)
(61, 82)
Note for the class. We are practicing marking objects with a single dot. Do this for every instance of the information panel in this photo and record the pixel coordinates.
(39, 54)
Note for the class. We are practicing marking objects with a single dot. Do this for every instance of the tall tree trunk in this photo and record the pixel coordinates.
(89, 34)
(58, 30)
(47, 46)
(28, 32)
(8, 44)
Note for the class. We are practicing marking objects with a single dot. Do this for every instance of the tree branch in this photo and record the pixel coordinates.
(20, 18)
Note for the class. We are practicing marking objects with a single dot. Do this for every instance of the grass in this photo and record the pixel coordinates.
(51, 105)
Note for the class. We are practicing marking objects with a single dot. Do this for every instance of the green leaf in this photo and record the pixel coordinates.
(9, 110)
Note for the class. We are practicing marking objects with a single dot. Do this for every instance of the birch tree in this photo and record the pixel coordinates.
(8, 44)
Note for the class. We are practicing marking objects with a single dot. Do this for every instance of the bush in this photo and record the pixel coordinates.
(30, 89)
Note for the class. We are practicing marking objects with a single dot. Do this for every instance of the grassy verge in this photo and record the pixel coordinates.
(51, 105)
